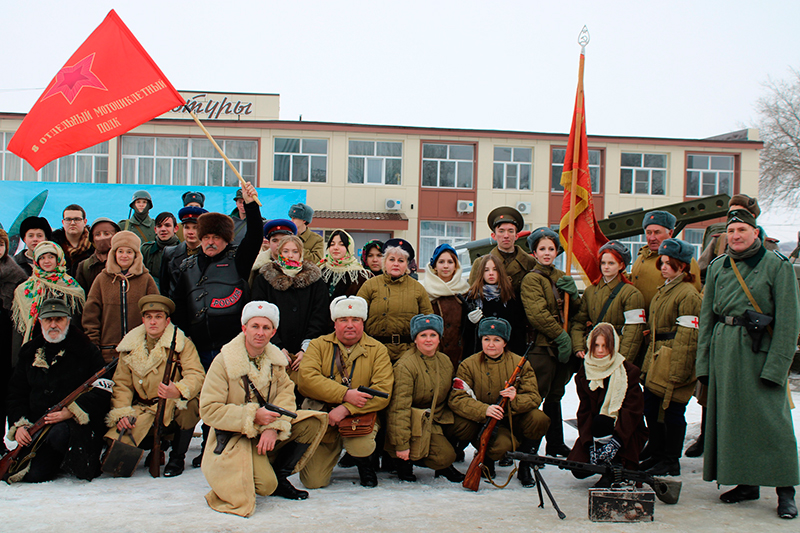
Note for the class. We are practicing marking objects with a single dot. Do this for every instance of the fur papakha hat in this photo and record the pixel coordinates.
(215, 224)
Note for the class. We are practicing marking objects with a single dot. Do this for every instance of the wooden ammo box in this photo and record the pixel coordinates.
(622, 504)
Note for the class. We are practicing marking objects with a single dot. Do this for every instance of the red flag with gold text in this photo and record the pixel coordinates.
(107, 88)
(587, 238)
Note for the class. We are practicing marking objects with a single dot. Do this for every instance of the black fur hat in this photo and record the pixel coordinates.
(216, 224)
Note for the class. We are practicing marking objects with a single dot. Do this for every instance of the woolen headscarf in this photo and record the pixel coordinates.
(42, 285)
(334, 270)
(597, 370)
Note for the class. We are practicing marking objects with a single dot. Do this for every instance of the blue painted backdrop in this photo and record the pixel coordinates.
(112, 200)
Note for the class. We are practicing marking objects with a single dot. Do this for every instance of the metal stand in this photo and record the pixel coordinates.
(541, 484)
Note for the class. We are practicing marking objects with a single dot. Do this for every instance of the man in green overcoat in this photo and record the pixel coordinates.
(749, 438)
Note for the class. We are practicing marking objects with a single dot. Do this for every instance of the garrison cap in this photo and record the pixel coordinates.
(420, 323)
(156, 302)
(615, 246)
(659, 218)
(741, 215)
(500, 215)
(142, 195)
(677, 249)
(279, 226)
(540, 233)
(402, 243)
(197, 197)
(495, 326)
(301, 211)
(190, 214)
(53, 307)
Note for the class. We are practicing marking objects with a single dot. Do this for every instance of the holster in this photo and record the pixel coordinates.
(223, 437)
(756, 326)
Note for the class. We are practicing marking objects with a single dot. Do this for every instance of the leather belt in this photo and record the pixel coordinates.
(733, 320)
(394, 339)
(665, 336)
(144, 401)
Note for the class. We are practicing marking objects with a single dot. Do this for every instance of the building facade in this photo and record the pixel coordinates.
(428, 185)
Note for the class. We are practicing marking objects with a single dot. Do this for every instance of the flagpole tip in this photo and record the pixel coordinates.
(583, 38)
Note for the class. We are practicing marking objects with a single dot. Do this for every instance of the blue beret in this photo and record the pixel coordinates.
(539, 233)
(301, 211)
(495, 326)
(660, 218)
(618, 247)
(440, 250)
(279, 226)
(190, 214)
(677, 249)
(420, 323)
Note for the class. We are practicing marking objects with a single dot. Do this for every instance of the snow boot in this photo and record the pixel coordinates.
(696, 449)
(786, 506)
(670, 464)
(405, 470)
(741, 493)
(366, 472)
(450, 474)
(177, 455)
(524, 473)
(287, 459)
(555, 433)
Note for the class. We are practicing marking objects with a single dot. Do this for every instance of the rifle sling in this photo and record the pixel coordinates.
(611, 297)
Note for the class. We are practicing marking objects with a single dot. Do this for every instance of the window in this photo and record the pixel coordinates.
(301, 160)
(634, 244)
(643, 173)
(375, 162)
(448, 165)
(89, 165)
(184, 161)
(694, 236)
(512, 168)
(707, 175)
(432, 233)
(595, 158)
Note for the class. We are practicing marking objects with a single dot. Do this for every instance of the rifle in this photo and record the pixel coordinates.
(169, 375)
(667, 490)
(472, 478)
(223, 435)
(10, 463)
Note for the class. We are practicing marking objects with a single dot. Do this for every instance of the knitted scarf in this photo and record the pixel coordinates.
(597, 370)
(744, 254)
(334, 270)
(438, 288)
(83, 245)
(42, 285)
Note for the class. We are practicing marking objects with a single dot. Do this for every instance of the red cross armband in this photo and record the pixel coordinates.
(688, 321)
(635, 316)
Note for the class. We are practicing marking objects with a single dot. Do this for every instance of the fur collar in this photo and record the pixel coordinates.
(238, 363)
(134, 353)
(281, 282)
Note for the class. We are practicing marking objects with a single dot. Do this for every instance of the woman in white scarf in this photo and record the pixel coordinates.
(446, 289)
(611, 425)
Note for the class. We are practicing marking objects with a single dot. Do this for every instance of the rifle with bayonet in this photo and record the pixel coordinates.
(472, 478)
(11, 462)
(169, 374)
(667, 490)
(223, 436)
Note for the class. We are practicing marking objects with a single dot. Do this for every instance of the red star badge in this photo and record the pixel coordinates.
(350, 306)
(261, 307)
(70, 80)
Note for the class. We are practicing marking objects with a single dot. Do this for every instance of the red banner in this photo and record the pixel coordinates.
(107, 88)
(587, 237)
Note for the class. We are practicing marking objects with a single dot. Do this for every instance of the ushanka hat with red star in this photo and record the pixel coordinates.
(344, 306)
(260, 308)
(495, 326)
(420, 323)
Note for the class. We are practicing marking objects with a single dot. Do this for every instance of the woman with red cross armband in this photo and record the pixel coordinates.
(669, 366)
(613, 299)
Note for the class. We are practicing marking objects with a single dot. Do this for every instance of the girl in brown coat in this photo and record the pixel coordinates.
(106, 319)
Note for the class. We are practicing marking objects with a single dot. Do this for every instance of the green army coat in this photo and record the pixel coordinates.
(516, 265)
(674, 299)
(594, 298)
(749, 437)
(392, 303)
(540, 303)
(415, 377)
(313, 247)
(486, 377)
(647, 278)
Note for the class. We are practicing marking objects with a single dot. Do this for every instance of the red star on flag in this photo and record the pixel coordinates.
(70, 80)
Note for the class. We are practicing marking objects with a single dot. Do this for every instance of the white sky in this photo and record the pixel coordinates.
(661, 69)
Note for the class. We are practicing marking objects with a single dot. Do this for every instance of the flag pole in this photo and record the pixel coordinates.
(225, 157)
(583, 40)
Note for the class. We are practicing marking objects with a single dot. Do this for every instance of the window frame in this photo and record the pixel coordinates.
(449, 145)
(365, 160)
(311, 156)
(65, 169)
(734, 173)
(423, 261)
(514, 163)
(641, 168)
(601, 169)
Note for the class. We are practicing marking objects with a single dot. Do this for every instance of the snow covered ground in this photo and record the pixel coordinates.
(142, 504)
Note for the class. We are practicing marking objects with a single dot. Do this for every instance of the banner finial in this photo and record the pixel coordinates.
(583, 38)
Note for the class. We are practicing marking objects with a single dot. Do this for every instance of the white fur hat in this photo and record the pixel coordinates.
(342, 306)
(261, 308)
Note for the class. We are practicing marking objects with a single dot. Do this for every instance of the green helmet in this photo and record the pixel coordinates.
(142, 195)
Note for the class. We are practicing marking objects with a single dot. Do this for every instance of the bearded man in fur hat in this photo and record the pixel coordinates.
(212, 287)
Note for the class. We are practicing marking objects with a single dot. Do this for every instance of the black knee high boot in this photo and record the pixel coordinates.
(555, 433)
(177, 455)
(197, 461)
(670, 464)
(524, 473)
(696, 449)
(287, 459)
(366, 471)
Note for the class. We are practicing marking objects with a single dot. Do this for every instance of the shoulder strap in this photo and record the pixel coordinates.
(337, 360)
(555, 293)
(610, 299)
(747, 290)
